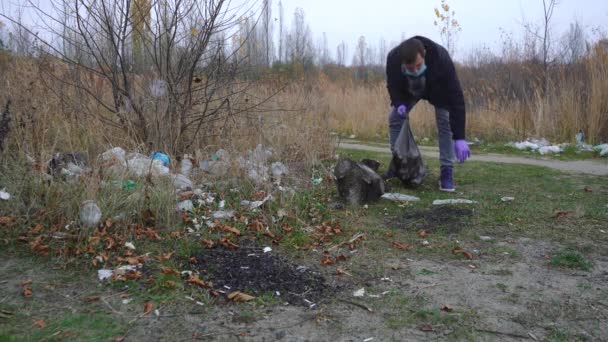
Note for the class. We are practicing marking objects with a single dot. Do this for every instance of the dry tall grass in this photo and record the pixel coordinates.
(499, 107)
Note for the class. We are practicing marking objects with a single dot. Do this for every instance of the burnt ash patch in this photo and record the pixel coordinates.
(451, 219)
(250, 270)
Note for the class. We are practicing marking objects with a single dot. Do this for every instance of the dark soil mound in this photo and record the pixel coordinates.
(250, 270)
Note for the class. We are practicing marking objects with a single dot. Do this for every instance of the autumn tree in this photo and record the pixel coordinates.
(449, 27)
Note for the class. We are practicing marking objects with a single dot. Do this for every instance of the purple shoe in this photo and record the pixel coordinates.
(445, 182)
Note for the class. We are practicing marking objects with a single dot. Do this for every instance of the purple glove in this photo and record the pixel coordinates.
(402, 111)
(461, 148)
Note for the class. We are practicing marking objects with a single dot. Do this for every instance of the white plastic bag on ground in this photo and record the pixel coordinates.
(90, 214)
(186, 167)
(400, 197)
(181, 182)
(549, 149)
(453, 201)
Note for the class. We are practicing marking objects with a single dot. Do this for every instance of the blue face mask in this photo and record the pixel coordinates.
(413, 74)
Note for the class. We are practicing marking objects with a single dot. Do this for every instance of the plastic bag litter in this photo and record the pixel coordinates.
(90, 214)
(453, 201)
(407, 163)
(181, 182)
(400, 197)
(186, 205)
(550, 149)
(5, 196)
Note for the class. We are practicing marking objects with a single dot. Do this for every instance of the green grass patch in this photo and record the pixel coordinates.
(570, 259)
(69, 326)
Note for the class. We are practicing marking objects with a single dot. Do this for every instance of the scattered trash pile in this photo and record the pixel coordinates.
(259, 271)
(125, 168)
(544, 147)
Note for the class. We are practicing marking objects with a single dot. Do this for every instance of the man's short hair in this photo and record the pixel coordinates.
(409, 50)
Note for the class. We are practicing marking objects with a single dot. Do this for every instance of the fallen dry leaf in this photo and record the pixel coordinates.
(423, 233)
(327, 260)
(169, 283)
(466, 254)
(134, 275)
(152, 234)
(401, 245)
(193, 260)
(169, 270)
(341, 258)
(588, 189)
(560, 214)
(27, 292)
(228, 244)
(227, 228)
(36, 229)
(5, 220)
(238, 296)
(92, 299)
(165, 256)
(258, 196)
(196, 281)
(118, 339)
(255, 226)
(447, 308)
(40, 323)
(176, 234)
(208, 243)
(426, 327)
(148, 307)
(27, 282)
(340, 271)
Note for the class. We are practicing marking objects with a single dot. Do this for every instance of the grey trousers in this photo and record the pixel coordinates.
(444, 133)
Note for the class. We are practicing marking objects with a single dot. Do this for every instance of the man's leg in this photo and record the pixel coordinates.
(446, 149)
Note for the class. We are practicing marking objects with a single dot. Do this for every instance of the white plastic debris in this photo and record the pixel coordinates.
(127, 301)
(531, 144)
(400, 197)
(359, 293)
(181, 182)
(222, 204)
(369, 339)
(507, 199)
(550, 149)
(5, 196)
(425, 243)
(278, 169)
(141, 165)
(130, 245)
(485, 238)
(104, 274)
(255, 204)
(90, 214)
(186, 205)
(267, 249)
(223, 214)
(453, 201)
(186, 167)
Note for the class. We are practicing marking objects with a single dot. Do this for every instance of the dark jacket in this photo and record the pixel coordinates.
(442, 85)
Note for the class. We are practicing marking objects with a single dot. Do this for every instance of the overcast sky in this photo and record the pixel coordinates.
(481, 20)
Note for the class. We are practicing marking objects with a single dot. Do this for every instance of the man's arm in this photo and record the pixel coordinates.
(455, 99)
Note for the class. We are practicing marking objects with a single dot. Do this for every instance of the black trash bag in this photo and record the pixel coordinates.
(357, 183)
(407, 163)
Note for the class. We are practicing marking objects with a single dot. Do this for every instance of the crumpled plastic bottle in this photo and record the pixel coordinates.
(90, 214)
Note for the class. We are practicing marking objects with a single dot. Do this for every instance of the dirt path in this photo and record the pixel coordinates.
(578, 166)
